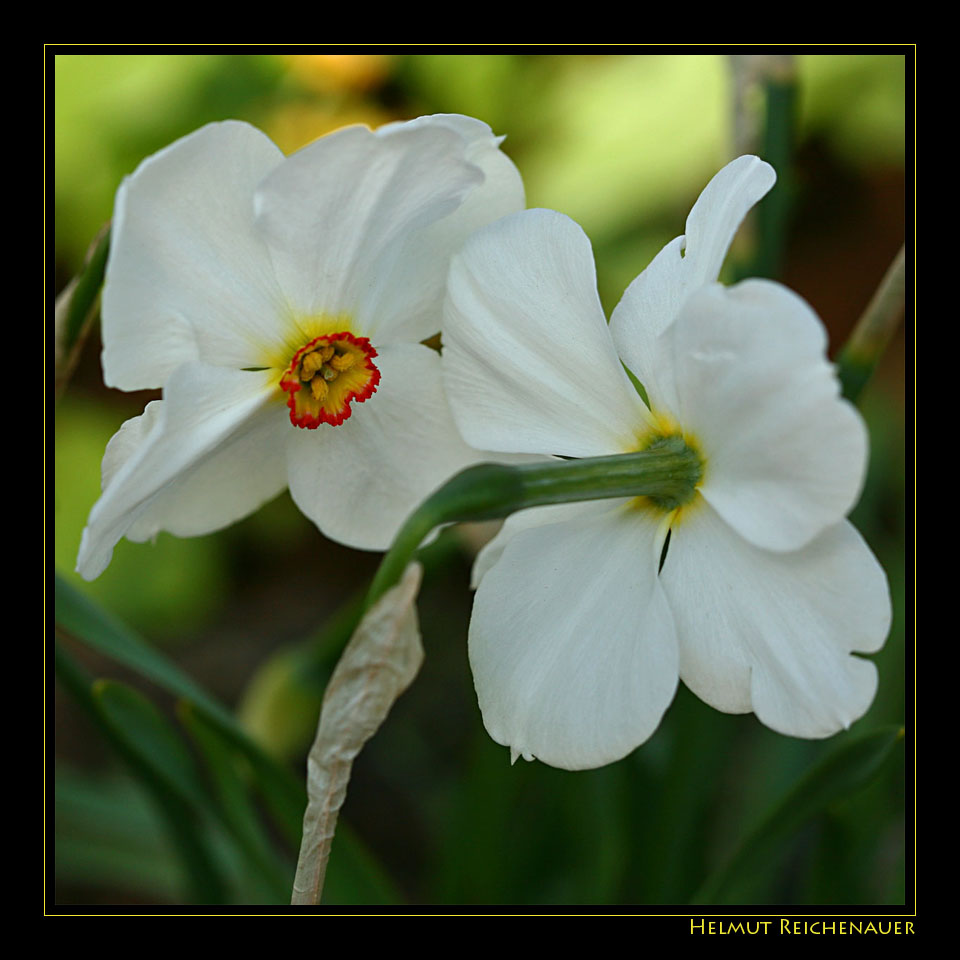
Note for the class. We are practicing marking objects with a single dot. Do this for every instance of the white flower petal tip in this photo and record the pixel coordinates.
(515, 755)
(655, 298)
(265, 294)
(91, 562)
(720, 209)
(207, 455)
(766, 597)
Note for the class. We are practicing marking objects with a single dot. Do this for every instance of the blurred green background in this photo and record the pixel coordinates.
(623, 144)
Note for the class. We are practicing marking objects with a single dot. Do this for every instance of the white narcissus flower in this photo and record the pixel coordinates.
(269, 297)
(578, 634)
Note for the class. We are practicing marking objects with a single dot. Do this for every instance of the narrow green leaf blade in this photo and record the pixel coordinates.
(73, 312)
(108, 836)
(88, 284)
(355, 875)
(82, 619)
(78, 617)
(842, 773)
(235, 806)
(135, 729)
(143, 732)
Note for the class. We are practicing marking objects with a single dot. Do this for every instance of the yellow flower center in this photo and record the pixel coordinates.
(326, 375)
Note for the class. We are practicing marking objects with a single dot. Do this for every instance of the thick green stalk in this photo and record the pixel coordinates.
(667, 472)
(773, 212)
(764, 122)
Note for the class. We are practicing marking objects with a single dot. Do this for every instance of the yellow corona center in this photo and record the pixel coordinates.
(326, 375)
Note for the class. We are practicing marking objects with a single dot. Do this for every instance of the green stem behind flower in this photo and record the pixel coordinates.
(667, 472)
(773, 212)
(764, 122)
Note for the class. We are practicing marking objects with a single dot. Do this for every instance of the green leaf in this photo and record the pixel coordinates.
(355, 876)
(81, 619)
(108, 836)
(844, 772)
(235, 806)
(89, 282)
(73, 313)
(153, 751)
(145, 734)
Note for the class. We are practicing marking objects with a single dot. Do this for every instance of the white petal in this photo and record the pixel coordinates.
(572, 644)
(246, 470)
(528, 361)
(718, 213)
(774, 632)
(786, 455)
(188, 278)
(502, 190)
(338, 213)
(127, 440)
(403, 298)
(654, 300)
(527, 520)
(359, 481)
(647, 308)
(205, 456)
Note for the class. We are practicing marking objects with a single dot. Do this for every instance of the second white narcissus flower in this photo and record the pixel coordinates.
(587, 614)
(269, 297)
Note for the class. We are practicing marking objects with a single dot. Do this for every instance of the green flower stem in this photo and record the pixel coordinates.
(668, 471)
(856, 361)
(764, 123)
(773, 212)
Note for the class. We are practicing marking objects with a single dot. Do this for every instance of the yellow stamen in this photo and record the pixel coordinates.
(319, 389)
(337, 366)
(342, 361)
(312, 362)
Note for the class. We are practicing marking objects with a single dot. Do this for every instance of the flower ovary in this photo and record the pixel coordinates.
(685, 475)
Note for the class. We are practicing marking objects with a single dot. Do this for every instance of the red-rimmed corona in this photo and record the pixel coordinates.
(326, 375)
